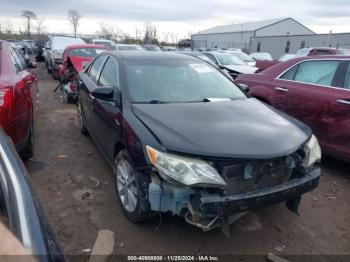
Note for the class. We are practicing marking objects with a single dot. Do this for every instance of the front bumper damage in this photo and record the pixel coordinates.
(208, 208)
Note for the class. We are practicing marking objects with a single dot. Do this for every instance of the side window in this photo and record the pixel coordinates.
(96, 68)
(16, 61)
(289, 75)
(109, 74)
(21, 57)
(347, 78)
(316, 72)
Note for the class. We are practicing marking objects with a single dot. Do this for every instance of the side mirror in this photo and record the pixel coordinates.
(104, 93)
(107, 93)
(244, 87)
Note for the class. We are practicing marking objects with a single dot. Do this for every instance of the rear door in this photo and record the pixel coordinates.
(304, 93)
(339, 124)
(88, 82)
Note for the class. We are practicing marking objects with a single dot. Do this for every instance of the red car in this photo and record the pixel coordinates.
(18, 94)
(75, 58)
(309, 51)
(315, 90)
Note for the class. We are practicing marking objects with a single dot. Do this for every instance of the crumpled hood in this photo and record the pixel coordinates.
(78, 62)
(243, 69)
(240, 128)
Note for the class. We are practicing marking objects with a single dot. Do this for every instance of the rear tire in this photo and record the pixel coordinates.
(82, 126)
(28, 150)
(130, 189)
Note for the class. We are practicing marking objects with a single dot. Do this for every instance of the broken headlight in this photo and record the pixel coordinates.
(312, 151)
(188, 171)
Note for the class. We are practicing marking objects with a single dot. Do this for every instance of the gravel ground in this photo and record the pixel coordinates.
(75, 186)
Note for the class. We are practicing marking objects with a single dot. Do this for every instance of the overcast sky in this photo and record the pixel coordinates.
(178, 16)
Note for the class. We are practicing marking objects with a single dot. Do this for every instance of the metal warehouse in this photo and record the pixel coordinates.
(276, 36)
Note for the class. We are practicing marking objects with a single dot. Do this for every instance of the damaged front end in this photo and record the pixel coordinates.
(246, 185)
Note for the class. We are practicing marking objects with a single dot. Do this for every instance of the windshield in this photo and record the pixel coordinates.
(228, 59)
(176, 82)
(244, 57)
(86, 52)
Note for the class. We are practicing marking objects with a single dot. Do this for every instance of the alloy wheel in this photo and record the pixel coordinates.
(126, 185)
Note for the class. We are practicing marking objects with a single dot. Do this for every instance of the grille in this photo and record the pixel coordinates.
(249, 176)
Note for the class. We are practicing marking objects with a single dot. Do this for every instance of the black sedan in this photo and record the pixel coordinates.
(181, 137)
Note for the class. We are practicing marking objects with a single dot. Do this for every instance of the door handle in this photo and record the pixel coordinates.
(343, 102)
(281, 89)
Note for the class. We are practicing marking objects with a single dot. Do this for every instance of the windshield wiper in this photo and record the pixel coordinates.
(210, 99)
(156, 102)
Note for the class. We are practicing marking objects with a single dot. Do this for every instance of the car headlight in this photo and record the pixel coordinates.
(188, 171)
(312, 151)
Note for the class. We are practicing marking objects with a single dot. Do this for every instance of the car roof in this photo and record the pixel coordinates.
(321, 57)
(146, 55)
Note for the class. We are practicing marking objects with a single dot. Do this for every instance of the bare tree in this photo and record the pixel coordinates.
(166, 37)
(40, 26)
(111, 32)
(8, 27)
(73, 18)
(138, 34)
(29, 15)
(150, 34)
(174, 37)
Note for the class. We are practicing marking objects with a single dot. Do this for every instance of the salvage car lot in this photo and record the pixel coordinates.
(75, 186)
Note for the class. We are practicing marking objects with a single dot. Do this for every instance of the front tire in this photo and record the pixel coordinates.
(129, 188)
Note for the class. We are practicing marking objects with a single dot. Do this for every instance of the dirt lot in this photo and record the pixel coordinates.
(75, 186)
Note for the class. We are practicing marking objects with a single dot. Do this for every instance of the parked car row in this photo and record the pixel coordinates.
(20, 213)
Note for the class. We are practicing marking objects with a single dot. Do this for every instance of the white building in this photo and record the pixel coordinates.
(243, 35)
